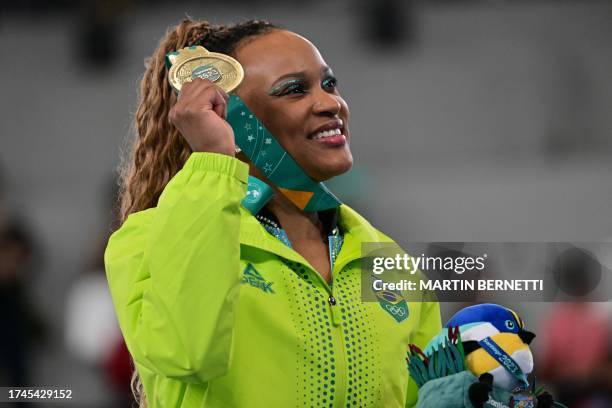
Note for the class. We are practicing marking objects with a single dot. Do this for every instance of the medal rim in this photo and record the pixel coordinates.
(177, 84)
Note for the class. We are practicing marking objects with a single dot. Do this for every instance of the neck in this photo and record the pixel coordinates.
(298, 223)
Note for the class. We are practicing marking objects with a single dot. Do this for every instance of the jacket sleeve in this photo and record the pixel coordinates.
(174, 271)
(429, 327)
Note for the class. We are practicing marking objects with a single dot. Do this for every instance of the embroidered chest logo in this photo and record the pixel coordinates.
(394, 304)
(254, 278)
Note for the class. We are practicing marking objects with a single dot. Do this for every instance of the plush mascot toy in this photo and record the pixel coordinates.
(480, 359)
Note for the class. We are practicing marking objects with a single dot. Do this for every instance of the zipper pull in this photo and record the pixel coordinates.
(334, 243)
(335, 310)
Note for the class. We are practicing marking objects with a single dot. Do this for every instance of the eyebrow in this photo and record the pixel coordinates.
(300, 75)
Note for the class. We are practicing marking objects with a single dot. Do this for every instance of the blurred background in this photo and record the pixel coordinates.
(470, 121)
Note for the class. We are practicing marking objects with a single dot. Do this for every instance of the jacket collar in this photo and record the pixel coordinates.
(357, 230)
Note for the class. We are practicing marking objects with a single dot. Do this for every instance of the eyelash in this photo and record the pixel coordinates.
(333, 80)
(299, 86)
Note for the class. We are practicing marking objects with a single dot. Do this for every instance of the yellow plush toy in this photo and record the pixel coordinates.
(480, 359)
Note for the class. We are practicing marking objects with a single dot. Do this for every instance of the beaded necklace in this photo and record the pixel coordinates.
(335, 239)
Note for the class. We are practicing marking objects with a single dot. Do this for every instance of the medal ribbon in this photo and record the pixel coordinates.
(266, 153)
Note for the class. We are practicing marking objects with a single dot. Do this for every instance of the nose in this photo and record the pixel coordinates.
(326, 103)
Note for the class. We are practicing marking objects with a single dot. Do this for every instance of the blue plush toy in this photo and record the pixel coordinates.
(481, 358)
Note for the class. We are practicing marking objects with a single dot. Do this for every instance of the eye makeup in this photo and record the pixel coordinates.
(300, 85)
(287, 86)
(329, 81)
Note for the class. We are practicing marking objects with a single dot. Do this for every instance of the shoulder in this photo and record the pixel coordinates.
(353, 222)
(130, 236)
(134, 222)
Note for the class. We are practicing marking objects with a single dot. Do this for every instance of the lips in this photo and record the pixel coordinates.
(329, 129)
(327, 133)
(331, 141)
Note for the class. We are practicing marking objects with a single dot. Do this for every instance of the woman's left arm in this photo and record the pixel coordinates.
(429, 326)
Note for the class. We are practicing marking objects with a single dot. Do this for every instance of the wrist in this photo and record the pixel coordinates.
(221, 149)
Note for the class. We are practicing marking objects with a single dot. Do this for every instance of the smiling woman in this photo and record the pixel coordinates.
(223, 307)
(294, 93)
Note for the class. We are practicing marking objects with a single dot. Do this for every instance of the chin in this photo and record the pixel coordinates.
(330, 170)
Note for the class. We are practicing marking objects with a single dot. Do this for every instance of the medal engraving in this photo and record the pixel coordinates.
(197, 62)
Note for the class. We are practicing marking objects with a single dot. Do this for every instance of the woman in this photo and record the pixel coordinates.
(217, 309)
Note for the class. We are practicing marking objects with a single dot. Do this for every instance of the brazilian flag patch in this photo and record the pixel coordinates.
(394, 304)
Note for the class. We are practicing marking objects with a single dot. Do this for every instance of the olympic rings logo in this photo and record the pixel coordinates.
(396, 310)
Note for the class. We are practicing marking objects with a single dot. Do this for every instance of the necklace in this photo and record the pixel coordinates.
(334, 240)
(273, 228)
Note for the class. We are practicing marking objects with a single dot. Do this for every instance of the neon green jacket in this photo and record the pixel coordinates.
(217, 312)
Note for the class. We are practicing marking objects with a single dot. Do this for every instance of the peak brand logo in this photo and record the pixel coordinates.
(254, 278)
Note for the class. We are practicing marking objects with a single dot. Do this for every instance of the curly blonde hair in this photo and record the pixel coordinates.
(158, 151)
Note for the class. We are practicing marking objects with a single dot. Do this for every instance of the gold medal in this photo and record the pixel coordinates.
(197, 62)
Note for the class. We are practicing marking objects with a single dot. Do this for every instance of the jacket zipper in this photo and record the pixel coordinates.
(341, 378)
(340, 381)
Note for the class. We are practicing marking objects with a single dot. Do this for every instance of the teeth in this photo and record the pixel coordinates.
(327, 133)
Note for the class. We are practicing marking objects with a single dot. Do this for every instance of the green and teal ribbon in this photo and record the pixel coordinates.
(258, 194)
(266, 153)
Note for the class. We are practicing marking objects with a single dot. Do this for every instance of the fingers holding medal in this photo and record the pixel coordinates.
(204, 80)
